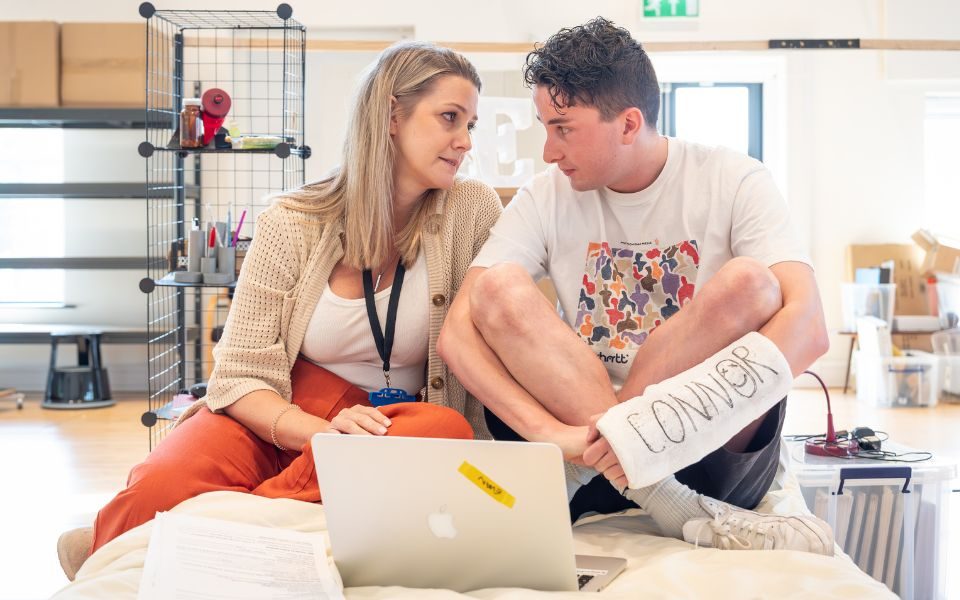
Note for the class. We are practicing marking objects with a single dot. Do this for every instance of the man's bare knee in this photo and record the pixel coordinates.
(751, 287)
(741, 297)
(502, 295)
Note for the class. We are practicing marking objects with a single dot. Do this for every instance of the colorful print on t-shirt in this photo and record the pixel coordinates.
(626, 292)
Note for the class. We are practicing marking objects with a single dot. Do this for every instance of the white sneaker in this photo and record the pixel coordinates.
(733, 528)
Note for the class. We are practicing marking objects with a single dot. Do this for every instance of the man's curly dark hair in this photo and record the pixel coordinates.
(596, 64)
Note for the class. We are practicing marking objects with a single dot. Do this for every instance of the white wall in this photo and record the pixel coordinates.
(849, 157)
(512, 21)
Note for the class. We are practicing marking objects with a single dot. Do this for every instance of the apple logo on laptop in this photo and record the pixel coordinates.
(441, 524)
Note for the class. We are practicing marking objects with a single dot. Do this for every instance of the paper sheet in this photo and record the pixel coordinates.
(196, 558)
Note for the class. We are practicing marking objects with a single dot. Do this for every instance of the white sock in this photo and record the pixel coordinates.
(680, 420)
(577, 476)
(670, 504)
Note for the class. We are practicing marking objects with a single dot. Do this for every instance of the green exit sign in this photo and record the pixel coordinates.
(653, 9)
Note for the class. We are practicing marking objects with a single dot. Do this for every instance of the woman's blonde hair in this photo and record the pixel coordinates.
(360, 190)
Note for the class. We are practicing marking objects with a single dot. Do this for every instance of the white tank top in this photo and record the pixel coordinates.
(339, 338)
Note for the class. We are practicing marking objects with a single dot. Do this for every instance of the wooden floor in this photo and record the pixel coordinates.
(59, 467)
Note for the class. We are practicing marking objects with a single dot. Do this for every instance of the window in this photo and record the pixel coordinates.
(941, 178)
(718, 114)
(31, 228)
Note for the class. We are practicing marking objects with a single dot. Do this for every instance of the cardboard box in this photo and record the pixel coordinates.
(29, 64)
(103, 64)
(942, 256)
(907, 272)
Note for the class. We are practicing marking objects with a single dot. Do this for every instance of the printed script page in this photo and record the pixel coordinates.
(196, 558)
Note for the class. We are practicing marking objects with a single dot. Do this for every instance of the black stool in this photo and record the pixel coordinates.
(83, 386)
(14, 395)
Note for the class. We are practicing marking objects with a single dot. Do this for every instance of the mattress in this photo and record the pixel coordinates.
(657, 567)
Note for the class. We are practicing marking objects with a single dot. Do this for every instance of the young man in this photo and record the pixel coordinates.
(688, 306)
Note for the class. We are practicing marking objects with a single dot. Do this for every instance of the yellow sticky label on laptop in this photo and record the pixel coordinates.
(486, 484)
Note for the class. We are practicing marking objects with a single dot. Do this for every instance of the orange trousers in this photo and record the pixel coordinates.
(209, 452)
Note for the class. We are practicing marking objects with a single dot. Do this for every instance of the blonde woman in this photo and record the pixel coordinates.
(303, 350)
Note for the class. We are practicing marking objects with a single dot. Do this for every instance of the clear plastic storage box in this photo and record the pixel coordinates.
(948, 300)
(867, 300)
(946, 346)
(891, 519)
(909, 380)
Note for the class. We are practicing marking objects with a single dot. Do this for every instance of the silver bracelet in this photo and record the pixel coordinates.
(273, 426)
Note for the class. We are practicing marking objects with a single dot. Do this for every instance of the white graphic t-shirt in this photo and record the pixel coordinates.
(624, 263)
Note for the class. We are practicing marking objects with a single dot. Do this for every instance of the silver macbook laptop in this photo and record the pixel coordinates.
(455, 514)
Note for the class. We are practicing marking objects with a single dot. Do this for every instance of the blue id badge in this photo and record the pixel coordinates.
(390, 395)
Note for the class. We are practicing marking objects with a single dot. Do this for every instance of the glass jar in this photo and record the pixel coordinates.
(191, 124)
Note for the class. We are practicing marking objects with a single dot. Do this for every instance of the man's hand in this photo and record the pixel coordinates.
(601, 457)
(360, 420)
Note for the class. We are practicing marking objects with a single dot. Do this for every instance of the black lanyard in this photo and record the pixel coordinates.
(383, 340)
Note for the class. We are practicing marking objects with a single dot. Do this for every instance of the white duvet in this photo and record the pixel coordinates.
(657, 567)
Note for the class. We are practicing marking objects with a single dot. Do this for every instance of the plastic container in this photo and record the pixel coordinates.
(948, 300)
(227, 261)
(892, 519)
(257, 142)
(867, 300)
(890, 381)
(946, 346)
(191, 124)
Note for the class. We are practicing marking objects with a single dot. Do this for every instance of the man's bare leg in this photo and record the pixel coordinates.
(550, 361)
(742, 297)
(794, 323)
(491, 302)
(515, 324)
(537, 347)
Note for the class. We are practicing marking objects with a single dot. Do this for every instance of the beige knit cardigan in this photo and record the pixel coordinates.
(286, 271)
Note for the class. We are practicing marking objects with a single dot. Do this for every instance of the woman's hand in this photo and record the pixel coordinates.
(360, 420)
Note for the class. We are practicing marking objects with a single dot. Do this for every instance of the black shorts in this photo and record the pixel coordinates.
(738, 478)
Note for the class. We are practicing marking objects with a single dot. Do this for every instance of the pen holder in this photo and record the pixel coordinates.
(208, 264)
(218, 278)
(227, 260)
(194, 250)
(187, 277)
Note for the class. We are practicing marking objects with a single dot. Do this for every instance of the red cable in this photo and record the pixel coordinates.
(831, 433)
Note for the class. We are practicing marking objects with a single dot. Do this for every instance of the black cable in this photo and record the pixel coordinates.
(802, 437)
(891, 457)
(881, 455)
